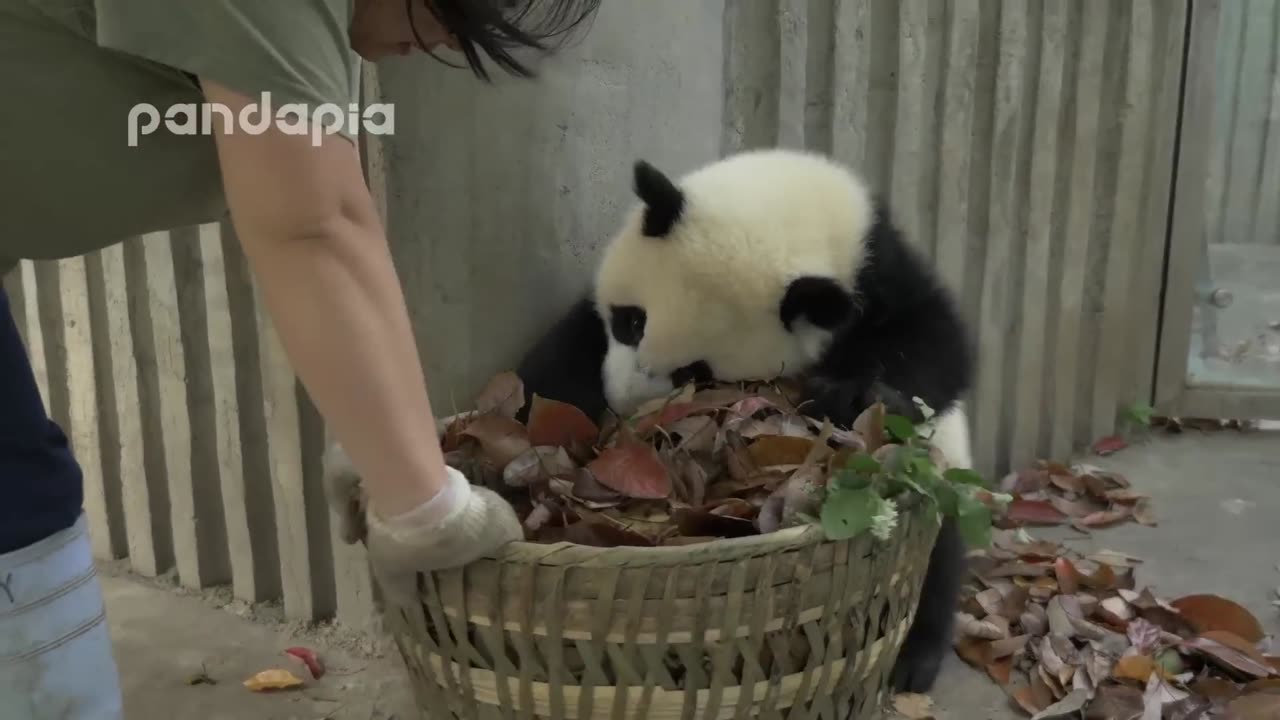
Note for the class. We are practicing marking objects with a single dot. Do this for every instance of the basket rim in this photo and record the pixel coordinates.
(794, 537)
(569, 553)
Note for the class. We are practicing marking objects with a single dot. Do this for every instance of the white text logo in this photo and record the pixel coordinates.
(255, 118)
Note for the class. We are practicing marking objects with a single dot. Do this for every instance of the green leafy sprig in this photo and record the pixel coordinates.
(864, 495)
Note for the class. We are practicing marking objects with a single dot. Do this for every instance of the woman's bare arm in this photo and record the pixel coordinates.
(314, 241)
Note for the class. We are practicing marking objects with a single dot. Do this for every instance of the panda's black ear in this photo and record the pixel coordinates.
(820, 300)
(663, 201)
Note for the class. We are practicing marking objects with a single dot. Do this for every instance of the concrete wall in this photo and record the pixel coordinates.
(1026, 145)
(1244, 155)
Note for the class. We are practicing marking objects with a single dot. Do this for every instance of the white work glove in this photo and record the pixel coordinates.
(460, 524)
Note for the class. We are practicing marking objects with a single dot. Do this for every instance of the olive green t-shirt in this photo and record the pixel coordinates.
(72, 177)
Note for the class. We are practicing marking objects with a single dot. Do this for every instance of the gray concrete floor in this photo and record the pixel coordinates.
(1217, 497)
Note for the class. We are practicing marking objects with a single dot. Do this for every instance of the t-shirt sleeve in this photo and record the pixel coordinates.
(297, 51)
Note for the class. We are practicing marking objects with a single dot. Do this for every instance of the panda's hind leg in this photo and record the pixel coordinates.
(930, 637)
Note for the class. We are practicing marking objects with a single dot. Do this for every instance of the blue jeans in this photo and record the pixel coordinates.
(41, 488)
(56, 658)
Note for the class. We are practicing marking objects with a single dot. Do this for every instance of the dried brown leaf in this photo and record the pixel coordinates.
(971, 626)
(697, 433)
(1067, 575)
(1137, 668)
(1068, 707)
(770, 450)
(974, 651)
(1228, 658)
(1067, 482)
(1034, 512)
(1263, 706)
(1106, 518)
(1008, 646)
(552, 422)
(1115, 559)
(538, 463)
(1015, 601)
(990, 600)
(1115, 702)
(633, 469)
(501, 438)
(503, 395)
(1026, 698)
(1237, 643)
(870, 426)
(1001, 670)
(1206, 612)
(1034, 623)
(1060, 621)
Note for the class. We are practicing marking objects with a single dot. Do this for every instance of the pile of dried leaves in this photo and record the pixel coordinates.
(726, 461)
(1068, 636)
(1085, 496)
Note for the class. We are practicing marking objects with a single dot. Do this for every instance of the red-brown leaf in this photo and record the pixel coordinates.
(633, 469)
(1034, 512)
(308, 658)
(1109, 445)
(552, 422)
(1068, 576)
(1207, 612)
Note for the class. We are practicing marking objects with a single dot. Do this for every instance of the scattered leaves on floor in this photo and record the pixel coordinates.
(1084, 496)
(708, 462)
(273, 679)
(1065, 634)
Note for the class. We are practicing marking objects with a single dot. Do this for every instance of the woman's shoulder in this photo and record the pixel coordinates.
(295, 52)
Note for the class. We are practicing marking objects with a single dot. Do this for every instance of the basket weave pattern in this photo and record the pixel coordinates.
(785, 625)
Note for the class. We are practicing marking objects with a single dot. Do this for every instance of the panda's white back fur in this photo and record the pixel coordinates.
(711, 288)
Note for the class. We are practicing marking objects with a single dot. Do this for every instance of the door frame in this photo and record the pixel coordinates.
(1184, 242)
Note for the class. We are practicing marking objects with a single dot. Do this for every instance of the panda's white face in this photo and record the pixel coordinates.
(693, 286)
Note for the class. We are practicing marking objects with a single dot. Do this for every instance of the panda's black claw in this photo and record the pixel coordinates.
(895, 402)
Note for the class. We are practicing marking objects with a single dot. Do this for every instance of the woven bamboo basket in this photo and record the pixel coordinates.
(784, 625)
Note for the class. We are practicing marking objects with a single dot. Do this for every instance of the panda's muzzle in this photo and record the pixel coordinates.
(696, 372)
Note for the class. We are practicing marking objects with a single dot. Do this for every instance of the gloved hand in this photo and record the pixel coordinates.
(458, 525)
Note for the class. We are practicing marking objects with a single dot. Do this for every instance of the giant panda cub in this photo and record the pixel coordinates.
(768, 264)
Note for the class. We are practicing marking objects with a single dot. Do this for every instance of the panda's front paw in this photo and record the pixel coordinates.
(918, 664)
(841, 403)
(895, 402)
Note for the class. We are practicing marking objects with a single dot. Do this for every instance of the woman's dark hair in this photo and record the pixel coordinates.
(497, 26)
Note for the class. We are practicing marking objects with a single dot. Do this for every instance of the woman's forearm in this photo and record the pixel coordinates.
(339, 310)
(307, 223)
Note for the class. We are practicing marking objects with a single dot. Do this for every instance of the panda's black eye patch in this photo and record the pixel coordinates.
(626, 322)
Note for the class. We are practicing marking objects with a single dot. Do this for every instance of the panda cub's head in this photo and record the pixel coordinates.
(740, 270)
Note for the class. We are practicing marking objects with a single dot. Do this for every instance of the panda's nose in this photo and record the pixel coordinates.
(694, 372)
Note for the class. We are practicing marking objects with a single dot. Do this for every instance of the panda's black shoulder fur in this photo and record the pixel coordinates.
(567, 361)
(904, 336)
